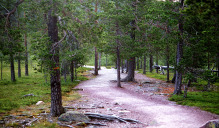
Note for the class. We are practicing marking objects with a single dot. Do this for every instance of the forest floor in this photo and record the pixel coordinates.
(145, 100)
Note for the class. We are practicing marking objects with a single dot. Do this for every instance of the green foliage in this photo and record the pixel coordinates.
(207, 101)
(12, 93)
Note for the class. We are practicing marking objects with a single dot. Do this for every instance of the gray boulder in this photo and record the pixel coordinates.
(73, 116)
(211, 124)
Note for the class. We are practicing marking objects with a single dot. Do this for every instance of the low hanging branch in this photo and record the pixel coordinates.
(7, 15)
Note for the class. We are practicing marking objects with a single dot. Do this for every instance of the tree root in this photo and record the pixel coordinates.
(111, 118)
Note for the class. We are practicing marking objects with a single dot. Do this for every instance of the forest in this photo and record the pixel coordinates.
(163, 47)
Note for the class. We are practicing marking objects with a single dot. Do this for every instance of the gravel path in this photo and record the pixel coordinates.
(100, 95)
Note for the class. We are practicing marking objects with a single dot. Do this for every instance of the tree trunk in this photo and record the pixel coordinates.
(118, 67)
(157, 62)
(72, 71)
(151, 63)
(19, 66)
(122, 65)
(138, 63)
(126, 66)
(186, 88)
(131, 70)
(1, 67)
(217, 61)
(144, 66)
(141, 63)
(26, 55)
(12, 68)
(99, 61)
(55, 83)
(168, 56)
(75, 65)
(106, 60)
(96, 62)
(179, 55)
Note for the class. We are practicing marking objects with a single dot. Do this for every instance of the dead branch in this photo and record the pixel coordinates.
(111, 118)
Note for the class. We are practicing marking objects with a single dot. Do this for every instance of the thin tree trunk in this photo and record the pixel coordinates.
(157, 62)
(144, 66)
(1, 67)
(12, 68)
(138, 63)
(118, 67)
(99, 61)
(122, 65)
(141, 63)
(127, 64)
(106, 60)
(56, 95)
(96, 62)
(75, 65)
(217, 61)
(19, 66)
(26, 55)
(186, 88)
(168, 56)
(179, 55)
(151, 63)
(72, 70)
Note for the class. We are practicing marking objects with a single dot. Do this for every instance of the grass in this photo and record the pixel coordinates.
(208, 101)
(157, 76)
(12, 93)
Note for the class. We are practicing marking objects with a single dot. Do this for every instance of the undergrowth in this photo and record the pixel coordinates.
(13, 93)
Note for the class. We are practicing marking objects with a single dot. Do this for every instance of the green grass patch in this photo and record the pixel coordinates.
(12, 93)
(157, 76)
(208, 101)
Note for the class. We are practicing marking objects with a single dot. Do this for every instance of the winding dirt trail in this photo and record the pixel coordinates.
(100, 95)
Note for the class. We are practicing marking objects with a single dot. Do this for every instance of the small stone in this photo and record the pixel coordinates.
(122, 112)
(116, 103)
(100, 106)
(40, 102)
(28, 95)
(109, 109)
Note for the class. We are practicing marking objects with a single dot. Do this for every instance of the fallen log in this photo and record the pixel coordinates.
(111, 118)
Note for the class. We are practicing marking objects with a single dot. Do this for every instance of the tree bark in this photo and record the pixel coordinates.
(131, 70)
(19, 66)
(96, 62)
(26, 53)
(179, 55)
(12, 68)
(122, 65)
(106, 60)
(157, 62)
(144, 66)
(1, 67)
(151, 63)
(186, 88)
(99, 61)
(138, 63)
(55, 83)
(168, 56)
(72, 70)
(118, 67)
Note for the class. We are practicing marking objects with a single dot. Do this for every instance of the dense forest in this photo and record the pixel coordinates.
(178, 38)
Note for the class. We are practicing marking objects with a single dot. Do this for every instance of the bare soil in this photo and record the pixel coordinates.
(146, 102)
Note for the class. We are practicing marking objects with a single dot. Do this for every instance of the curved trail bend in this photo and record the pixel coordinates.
(128, 102)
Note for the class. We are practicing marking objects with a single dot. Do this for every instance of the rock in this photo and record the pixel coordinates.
(211, 124)
(123, 112)
(146, 82)
(100, 106)
(40, 102)
(73, 116)
(28, 95)
(116, 103)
